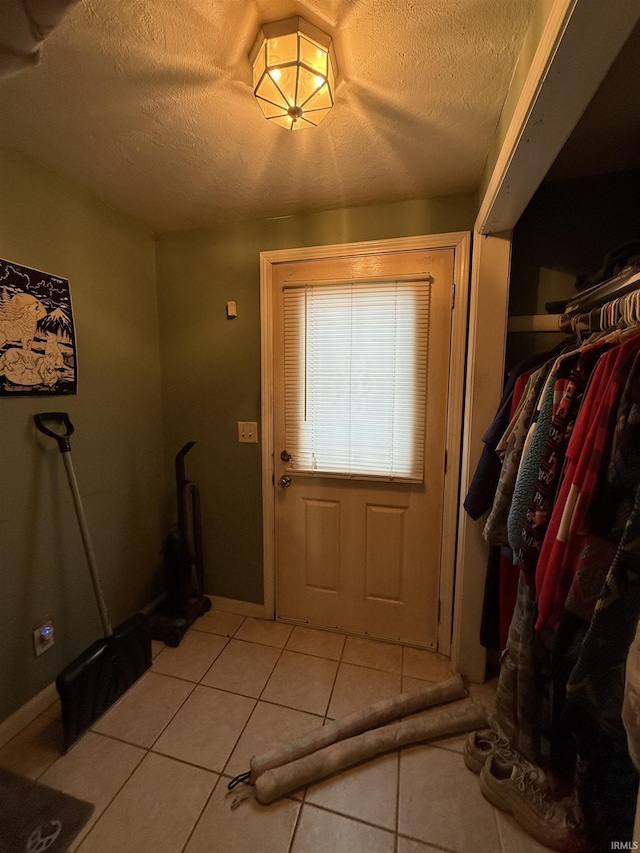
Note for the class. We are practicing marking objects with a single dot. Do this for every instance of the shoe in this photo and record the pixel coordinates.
(522, 790)
(481, 745)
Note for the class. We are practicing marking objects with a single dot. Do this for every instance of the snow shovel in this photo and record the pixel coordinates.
(91, 683)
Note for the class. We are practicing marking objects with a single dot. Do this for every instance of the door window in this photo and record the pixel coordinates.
(355, 378)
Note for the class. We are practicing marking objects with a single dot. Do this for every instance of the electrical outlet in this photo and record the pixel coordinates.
(248, 432)
(43, 638)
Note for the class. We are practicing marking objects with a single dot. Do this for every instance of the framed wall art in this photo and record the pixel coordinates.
(37, 335)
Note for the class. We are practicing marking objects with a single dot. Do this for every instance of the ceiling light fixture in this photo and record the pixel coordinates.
(294, 73)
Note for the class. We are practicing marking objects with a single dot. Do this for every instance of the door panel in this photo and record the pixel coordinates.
(356, 555)
(385, 552)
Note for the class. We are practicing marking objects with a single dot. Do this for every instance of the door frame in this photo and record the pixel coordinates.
(460, 242)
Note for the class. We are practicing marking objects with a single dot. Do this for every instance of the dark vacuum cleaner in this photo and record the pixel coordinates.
(183, 567)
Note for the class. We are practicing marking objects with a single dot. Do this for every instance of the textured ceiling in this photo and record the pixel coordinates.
(149, 105)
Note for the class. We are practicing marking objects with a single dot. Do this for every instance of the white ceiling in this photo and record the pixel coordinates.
(149, 105)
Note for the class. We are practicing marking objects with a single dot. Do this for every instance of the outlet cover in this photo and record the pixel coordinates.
(248, 432)
(43, 638)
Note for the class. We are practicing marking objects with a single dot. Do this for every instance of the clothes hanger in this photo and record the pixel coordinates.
(614, 312)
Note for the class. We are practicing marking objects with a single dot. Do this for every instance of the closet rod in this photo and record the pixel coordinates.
(626, 281)
(534, 323)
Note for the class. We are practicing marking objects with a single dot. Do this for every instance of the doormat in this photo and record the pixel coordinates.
(35, 818)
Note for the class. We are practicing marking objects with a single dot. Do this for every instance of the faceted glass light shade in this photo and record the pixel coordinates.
(294, 72)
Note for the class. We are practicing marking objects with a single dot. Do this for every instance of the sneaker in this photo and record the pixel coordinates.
(522, 790)
(481, 745)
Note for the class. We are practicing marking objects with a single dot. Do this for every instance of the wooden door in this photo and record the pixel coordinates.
(363, 555)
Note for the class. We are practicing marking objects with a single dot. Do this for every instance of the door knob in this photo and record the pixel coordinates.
(284, 481)
(285, 456)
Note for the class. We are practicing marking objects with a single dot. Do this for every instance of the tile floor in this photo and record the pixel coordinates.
(157, 764)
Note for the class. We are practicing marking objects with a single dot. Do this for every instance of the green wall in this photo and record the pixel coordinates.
(211, 365)
(50, 224)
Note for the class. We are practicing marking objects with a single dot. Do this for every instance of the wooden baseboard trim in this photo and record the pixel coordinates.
(242, 608)
(38, 704)
(26, 714)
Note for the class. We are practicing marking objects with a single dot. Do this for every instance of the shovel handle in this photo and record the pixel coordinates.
(61, 437)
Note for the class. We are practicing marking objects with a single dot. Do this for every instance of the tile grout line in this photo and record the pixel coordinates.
(150, 749)
(197, 820)
(147, 750)
(257, 700)
(116, 794)
(195, 684)
(350, 817)
(297, 822)
(333, 686)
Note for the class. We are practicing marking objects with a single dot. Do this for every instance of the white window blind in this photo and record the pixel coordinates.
(355, 378)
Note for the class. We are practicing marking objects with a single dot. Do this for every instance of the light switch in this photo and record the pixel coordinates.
(248, 432)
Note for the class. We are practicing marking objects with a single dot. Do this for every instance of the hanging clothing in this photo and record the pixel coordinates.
(510, 448)
(482, 489)
(604, 521)
(567, 502)
(566, 535)
(479, 499)
(563, 420)
(607, 780)
(532, 453)
(517, 706)
(614, 501)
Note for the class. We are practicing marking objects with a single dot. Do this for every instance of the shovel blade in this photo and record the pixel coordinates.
(96, 679)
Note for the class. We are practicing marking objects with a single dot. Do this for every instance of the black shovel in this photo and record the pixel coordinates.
(91, 683)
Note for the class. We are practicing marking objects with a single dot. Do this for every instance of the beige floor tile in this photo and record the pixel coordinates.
(302, 682)
(455, 743)
(144, 711)
(35, 748)
(373, 653)
(192, 658)
(357, 687)
(407, 845)
(441, 803)
(268, 727)
(251, 828)
(205, 730)
(486, 694)
(264, 631)
(513, 837)
(242, 668)
(368, 791)
(325, 832)
(422, 663)
(156, 647)
(54, 710)
(311, 641)
(93, 770)
(218, 622)
(155, 811)
(409, 683)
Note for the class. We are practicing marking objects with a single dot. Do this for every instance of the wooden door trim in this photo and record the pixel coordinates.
(460, 242)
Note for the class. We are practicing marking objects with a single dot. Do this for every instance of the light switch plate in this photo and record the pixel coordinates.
(247, 432)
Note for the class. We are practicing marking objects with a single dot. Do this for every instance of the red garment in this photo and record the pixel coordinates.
(589, 557)
(557, 556)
